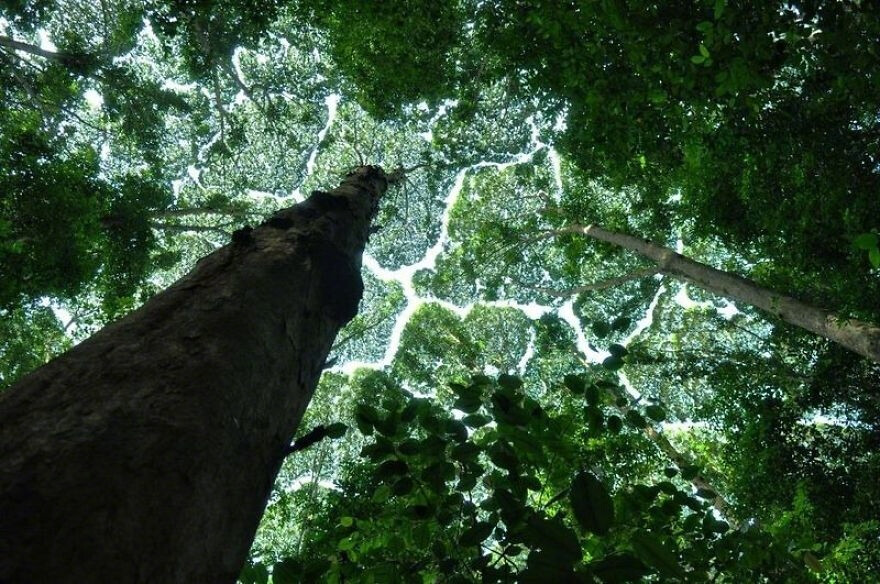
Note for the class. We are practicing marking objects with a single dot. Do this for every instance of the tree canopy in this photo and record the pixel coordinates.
(521, 402)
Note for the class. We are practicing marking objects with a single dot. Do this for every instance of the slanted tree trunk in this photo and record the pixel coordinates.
(147, 453)
(860, 337)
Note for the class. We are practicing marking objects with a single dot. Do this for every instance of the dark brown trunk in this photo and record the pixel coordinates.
(147, 453)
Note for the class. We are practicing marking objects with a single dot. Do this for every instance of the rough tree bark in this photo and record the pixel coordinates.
(860, 337)
(147, 453)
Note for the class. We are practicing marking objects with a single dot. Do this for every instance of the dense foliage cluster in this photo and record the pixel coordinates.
(535, 405)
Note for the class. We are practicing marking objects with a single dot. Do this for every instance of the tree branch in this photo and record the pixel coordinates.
(193, 211)
(174, 228)
(602, 285)
(220, 110)
(70, 60)
(15, 45)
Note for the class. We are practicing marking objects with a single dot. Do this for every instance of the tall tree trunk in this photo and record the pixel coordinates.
(147, 453)
(860, 337)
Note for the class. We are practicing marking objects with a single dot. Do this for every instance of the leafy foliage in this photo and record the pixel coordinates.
(485, 494)
(548, 408)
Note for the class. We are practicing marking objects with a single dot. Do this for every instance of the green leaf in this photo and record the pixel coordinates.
(409, 447)
(438, 473)
(697, 59)
(635, 419)
(466, 483)
(704, 51)
(364, 427)
(420, 512)
(456, 429)
(287, 571)
(656, 413)
(381, 494)
(615, 424)
(813, 562)
(480, 379)
(409, 412)
(336, 430)
(531, 483)
(591, 503)
(613, 363)
(689, 472)
(391, 468)
(403, 487)
(346, 521)
(866, 241)
(617, 350)
(476, 420)
(254, 574)
(646, 493)
(378, 450)
(595, 420)
(503, 457)
(553, 536)
(509, 381)
(874, 257)
(667, 487)
(367, 413)
(653, 552)
(388, 426)
(618, 568)
(593, 394)
(706, 493)
(718, 10)
(465, 452)
(546, 565)
(600, 329)
(459, 388)
(476, 534)
(575, 383)
(468, 404)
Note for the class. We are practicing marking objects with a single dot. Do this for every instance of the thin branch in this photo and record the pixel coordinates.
(362, 332)
(11, 43)
(353, 144)
(105, 19)
(680, 459)
(239, 82)
(230, 212)
(219, 102)
(539, 236)
(74, 319)
(556, 498)
(174, 228)
(602, 285)
(549, 203)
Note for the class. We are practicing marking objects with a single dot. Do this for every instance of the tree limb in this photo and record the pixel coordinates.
(175, 228)
(602, 285)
